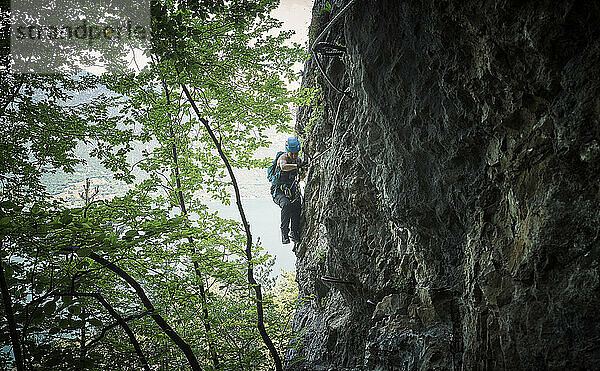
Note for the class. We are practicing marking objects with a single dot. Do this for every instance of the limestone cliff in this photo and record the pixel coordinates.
(454, 223)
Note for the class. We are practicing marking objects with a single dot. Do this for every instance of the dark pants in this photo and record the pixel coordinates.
(290, 212)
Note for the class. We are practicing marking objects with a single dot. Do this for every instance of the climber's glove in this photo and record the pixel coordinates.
(303, 164)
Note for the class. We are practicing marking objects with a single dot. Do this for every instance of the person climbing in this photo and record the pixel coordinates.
(285, 190)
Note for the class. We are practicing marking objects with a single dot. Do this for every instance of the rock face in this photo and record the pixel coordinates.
(454, 221)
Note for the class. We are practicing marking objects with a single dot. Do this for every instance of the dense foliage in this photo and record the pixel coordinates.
(151, 279)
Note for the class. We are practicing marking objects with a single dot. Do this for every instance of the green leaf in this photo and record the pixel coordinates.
(37, 318)
(84, 251)
(35, 209)
(113, 238)
(8, 271)
(84, 315)
(55, 221)
(66, 219)
(7, 205)
(75, 309)
(95, 322)
(5, 221)
(131, 233)
(54, 359)
(64, 323)
(54, 330)
(50, 307)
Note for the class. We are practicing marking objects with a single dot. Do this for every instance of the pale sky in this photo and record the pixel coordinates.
(295, 15)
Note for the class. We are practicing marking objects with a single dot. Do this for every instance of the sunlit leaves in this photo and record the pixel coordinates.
(235, 66)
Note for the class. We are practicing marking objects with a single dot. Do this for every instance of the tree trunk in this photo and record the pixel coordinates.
(8, 310)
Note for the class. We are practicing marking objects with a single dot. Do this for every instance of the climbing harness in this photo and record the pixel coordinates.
(287, 191)
(292, 192)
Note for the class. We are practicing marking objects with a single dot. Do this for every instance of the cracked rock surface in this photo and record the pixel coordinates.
(459, 202)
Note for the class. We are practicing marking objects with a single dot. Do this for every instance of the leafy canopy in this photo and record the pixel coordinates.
(189, 262)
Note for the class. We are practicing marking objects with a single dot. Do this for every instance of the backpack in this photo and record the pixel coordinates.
(274, 172)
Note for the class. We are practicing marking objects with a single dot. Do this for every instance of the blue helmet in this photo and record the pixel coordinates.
(293, 145)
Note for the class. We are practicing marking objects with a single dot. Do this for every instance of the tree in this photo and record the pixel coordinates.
(127, 276)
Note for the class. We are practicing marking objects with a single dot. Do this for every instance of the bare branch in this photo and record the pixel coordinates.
(160, 321)
(12, 95)
(118, 318)
(96, 340)
(255, 285)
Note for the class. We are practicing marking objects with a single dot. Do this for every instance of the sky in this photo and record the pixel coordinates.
(295, 15)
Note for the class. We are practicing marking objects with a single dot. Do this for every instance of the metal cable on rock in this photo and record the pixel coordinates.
(317, 41)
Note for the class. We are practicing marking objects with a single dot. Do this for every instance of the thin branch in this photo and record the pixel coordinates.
(160, 321)
(12, 96)
(167, 186)
(133, 58)
(87, 207)
(257, 288)
(96, 340)
(118, 318)
(205, 320)
(149, 96)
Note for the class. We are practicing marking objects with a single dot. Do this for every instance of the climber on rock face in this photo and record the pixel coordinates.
(286, 192)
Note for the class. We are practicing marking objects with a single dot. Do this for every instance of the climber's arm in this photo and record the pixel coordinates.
(285, 165)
